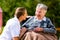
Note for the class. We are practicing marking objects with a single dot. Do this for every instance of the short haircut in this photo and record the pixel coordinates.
(20, 11)
(40, 5)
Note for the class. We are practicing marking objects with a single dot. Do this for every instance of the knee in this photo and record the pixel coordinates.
(28, 33)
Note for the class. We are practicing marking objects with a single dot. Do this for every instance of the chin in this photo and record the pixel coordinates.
(24, 19)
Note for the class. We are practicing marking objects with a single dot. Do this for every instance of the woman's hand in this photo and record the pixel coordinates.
(38, 29)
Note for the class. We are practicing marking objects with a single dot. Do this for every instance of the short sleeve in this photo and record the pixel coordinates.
(15, 30)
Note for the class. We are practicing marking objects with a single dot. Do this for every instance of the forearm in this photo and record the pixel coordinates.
(15, 38)
(50, 27)
(49, 30)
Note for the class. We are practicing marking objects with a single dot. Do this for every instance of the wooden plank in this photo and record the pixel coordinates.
(58, 29)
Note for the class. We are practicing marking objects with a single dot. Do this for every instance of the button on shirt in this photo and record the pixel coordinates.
(12, 29)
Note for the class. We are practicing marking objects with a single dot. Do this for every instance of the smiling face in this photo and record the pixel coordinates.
(21, 13)
(40, 12)
(23, 17)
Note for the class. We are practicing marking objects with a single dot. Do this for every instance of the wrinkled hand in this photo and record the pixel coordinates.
(37, 29)
(24, 29)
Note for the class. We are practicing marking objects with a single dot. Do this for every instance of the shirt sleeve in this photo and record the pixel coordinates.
(50, 28)
(15, 30)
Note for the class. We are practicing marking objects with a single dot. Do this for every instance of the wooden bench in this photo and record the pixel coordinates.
(58, 29)
(58, 32)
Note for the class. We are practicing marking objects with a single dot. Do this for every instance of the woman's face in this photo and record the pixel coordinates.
(40, 12)
(23, 17)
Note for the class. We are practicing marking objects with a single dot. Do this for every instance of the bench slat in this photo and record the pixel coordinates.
(58, 29)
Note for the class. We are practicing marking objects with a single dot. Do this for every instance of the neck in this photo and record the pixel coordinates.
(20, 19)
(39, 18)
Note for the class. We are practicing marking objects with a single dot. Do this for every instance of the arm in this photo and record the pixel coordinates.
(15, 31)
(15, 38)
(50, 28)
(22, 32)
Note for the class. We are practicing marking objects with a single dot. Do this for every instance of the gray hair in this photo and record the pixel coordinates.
(42, 6)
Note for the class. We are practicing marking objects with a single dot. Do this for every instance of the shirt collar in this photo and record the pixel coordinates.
(15, 18)
(44, 19)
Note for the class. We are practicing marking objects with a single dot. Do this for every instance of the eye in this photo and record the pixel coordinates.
(39, 11)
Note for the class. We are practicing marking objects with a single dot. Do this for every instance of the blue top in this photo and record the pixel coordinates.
(46, 24)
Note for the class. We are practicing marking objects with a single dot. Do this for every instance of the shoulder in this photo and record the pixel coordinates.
(48, 19)
(11, 22)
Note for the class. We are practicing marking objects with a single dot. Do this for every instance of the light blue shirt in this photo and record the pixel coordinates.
(12, 29)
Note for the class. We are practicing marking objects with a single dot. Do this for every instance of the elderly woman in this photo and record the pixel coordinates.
(40, 27)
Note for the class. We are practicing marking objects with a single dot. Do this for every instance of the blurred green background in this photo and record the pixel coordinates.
(9, 6)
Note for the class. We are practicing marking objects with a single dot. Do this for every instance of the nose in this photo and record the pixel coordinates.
(39, 12)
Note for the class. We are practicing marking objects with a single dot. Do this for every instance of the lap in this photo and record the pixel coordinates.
(40, 36)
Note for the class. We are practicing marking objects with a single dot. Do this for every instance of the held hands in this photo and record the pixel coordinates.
(38, 29)
(24, 29)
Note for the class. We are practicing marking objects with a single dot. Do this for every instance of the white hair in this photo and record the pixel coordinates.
(42, 6)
